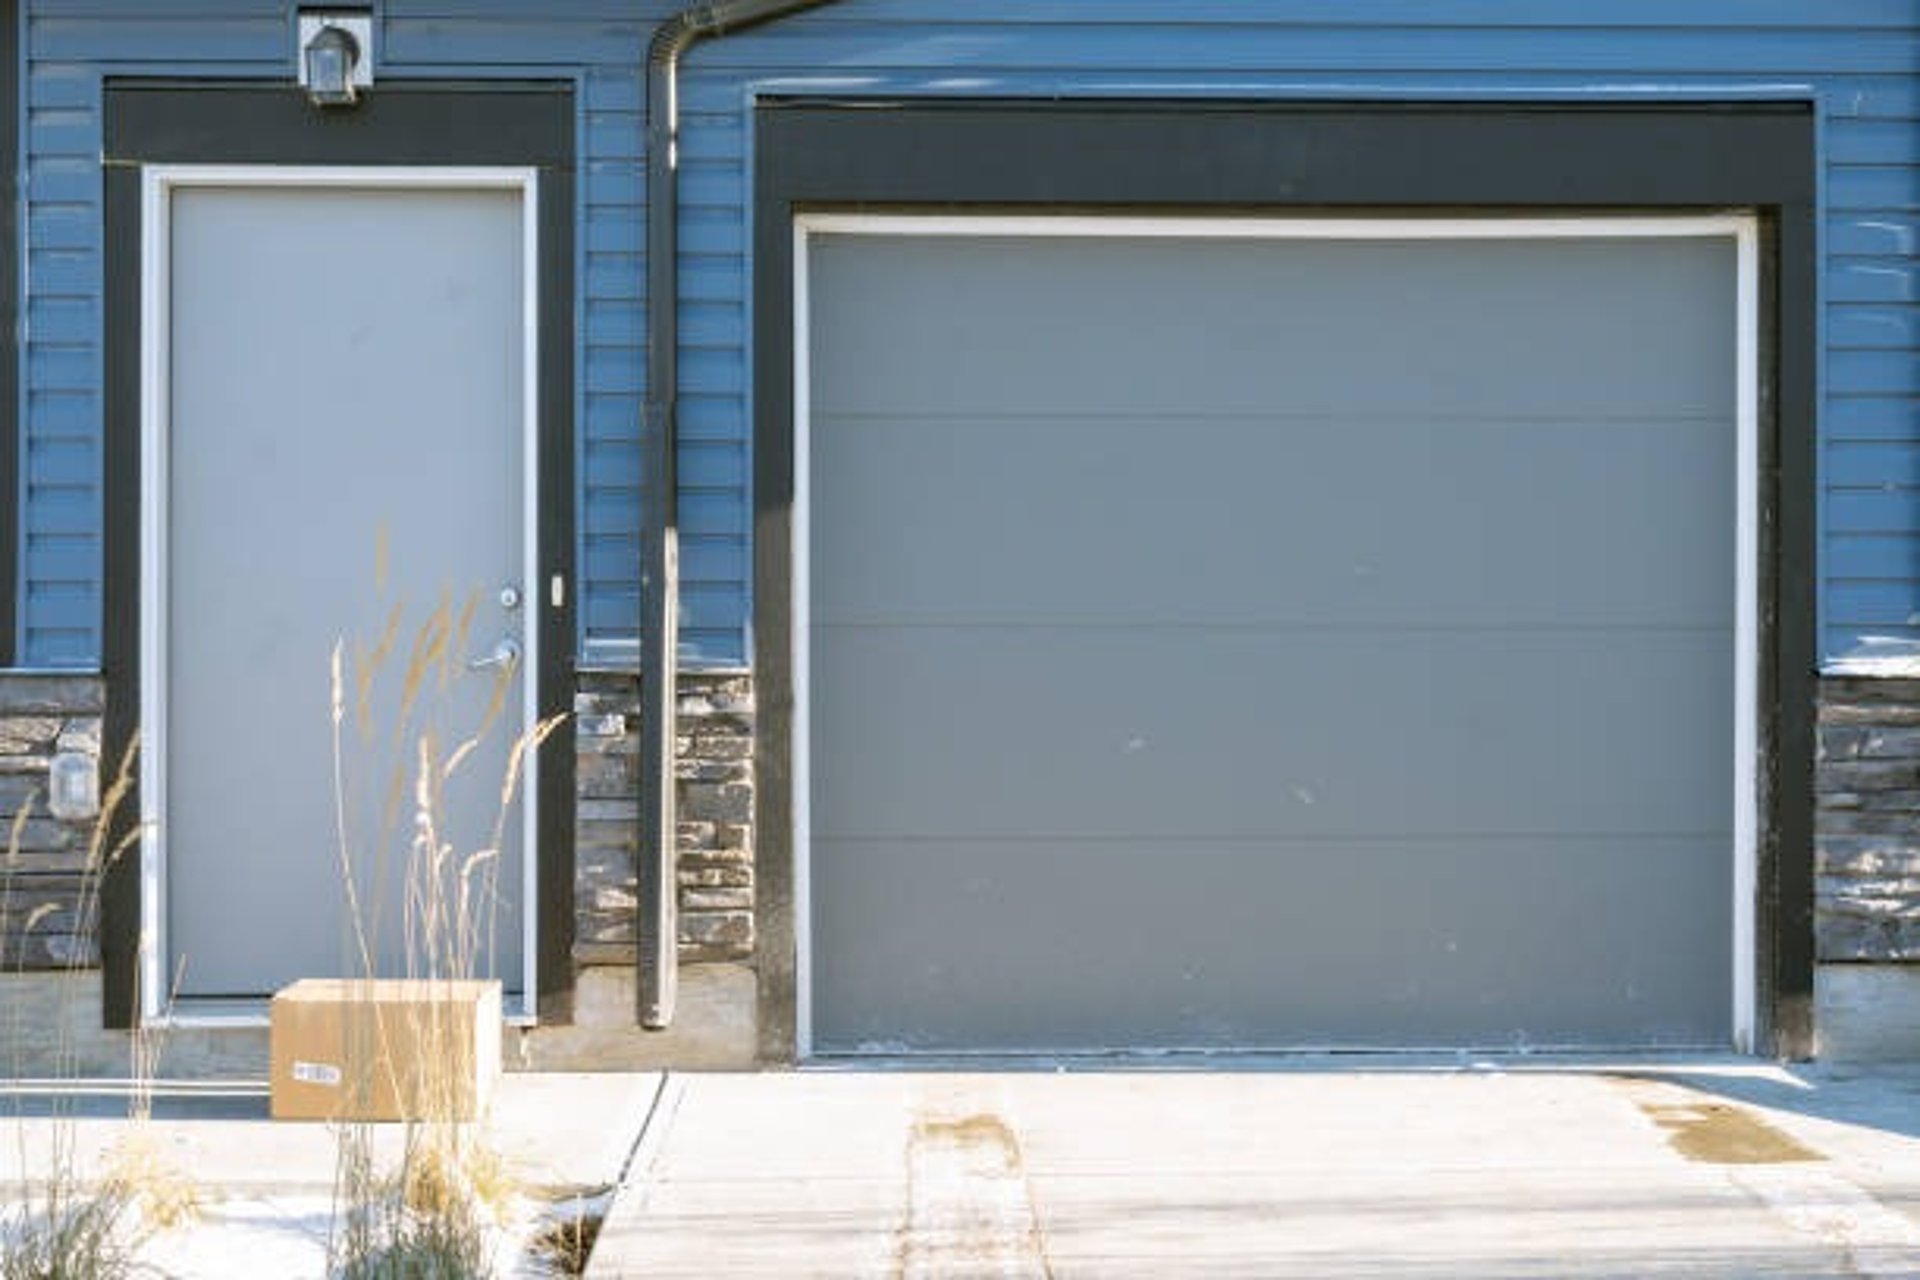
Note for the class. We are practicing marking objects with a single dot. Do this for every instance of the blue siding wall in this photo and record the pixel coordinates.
(73, 44)
(1859, 59)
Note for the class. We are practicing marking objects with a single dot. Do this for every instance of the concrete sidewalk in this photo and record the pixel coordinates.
(1717, 1169)
(559, 1133)
(265, 1190)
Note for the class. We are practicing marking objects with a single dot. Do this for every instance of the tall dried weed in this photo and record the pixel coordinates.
(67, 1224)
(430, 1216)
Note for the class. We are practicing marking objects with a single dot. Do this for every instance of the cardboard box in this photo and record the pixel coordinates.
(387, 1049)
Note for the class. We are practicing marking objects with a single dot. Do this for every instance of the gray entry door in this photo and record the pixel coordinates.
(1278, 643)
(343, 445)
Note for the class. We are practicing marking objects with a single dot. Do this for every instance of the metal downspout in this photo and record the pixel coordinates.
(658, 975)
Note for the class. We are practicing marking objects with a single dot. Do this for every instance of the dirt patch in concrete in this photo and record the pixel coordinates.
(1716, 1133)
(969, 1210)
(980, 1134)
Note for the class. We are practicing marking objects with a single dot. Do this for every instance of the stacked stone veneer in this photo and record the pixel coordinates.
(715, 722)
(44, 877)
(47, 890)
(1867, 820)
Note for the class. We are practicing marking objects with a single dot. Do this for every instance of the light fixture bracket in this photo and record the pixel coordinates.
(333, 55)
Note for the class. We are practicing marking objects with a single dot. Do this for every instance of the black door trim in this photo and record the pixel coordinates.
(1251, 157)
(514, 123)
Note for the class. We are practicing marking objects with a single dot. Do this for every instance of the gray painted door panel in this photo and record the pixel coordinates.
(1132, 731)
(1209, 327)
(1169, 944)
(1272, 542)
(1268, 644)
(345, 439)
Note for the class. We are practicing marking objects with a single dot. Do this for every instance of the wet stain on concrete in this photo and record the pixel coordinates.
(1715, 1133)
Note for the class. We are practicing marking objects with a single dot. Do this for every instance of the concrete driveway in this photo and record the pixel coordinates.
(1472, 1170)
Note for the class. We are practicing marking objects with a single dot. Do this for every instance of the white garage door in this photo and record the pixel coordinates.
(1274, 636)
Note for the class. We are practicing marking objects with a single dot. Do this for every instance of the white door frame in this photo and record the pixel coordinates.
(1742, 229)
(158, 182)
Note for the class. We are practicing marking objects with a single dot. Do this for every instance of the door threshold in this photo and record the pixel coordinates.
(242, 1012)
(212, 1012)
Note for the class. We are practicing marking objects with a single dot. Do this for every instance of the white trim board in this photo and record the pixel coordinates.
(158, 182)
(801, 748)
(1747, 752)
(1740, 228)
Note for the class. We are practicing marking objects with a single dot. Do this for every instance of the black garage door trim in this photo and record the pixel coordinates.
(1220, 157)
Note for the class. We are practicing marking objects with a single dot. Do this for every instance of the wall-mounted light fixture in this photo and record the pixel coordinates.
(73, 786)
(335, 55)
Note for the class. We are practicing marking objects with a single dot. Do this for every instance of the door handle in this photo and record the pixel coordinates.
(505, 657)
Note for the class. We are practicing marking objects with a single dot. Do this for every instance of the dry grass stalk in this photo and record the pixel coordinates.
(69, 1227)
(161, 1192)
(157, 1190)
(430, 1216)
(71, 1232)
(566, 1242)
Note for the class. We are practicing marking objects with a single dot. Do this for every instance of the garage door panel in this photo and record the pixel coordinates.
(1598, 328)
(1267, 944)
(1265, 520)
(1269, 642)
(1022, 731)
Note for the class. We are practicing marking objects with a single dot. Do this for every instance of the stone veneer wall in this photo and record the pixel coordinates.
(42, 881)
(715, 718)
(43, 873)
(1867, 821)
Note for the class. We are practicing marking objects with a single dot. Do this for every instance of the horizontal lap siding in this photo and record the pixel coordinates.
(1861, 57)
(1870, 441)
(72, 45)
(61, 440)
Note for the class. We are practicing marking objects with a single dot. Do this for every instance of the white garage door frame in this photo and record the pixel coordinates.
(158, 183)
(1742, 229)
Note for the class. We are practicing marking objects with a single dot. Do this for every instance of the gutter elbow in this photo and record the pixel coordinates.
(671, 38)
